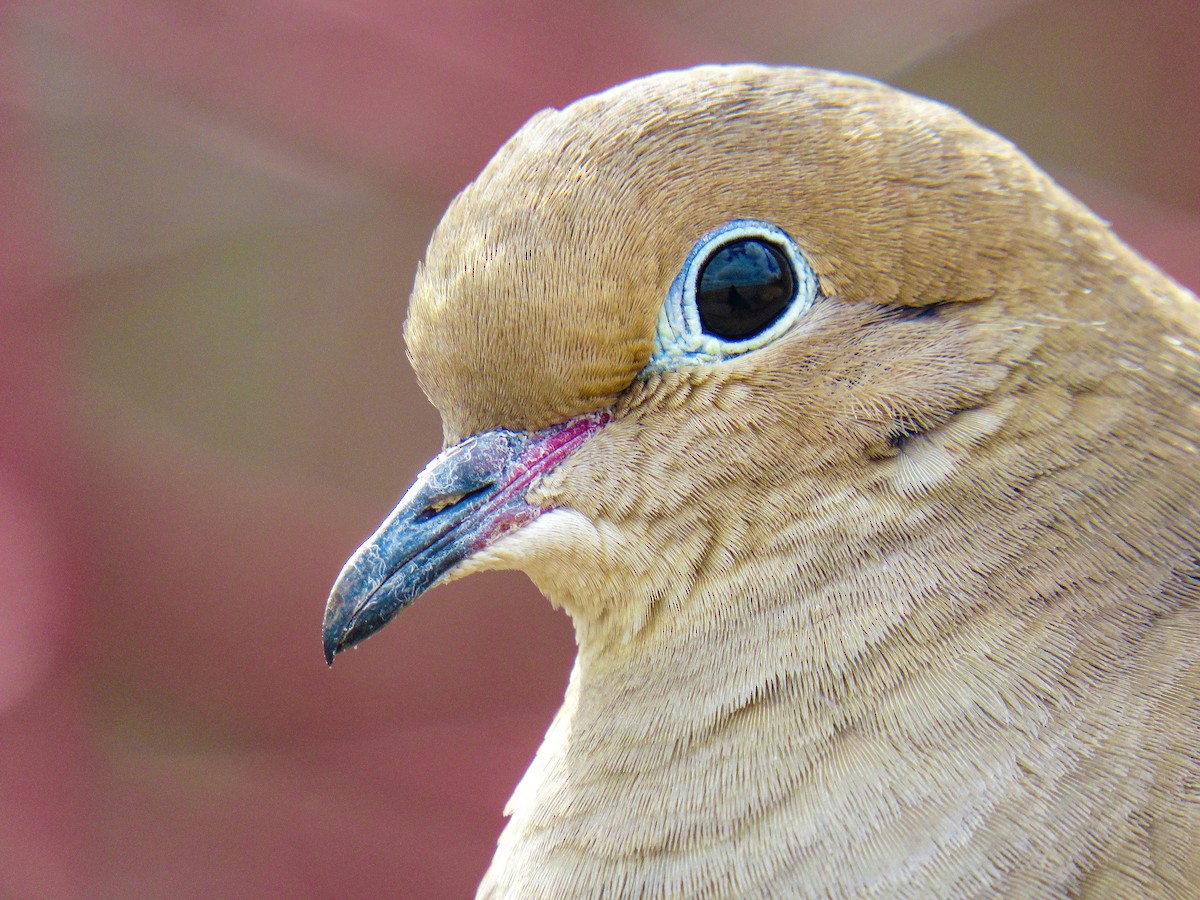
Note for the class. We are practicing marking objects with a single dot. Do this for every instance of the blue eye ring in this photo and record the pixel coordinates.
(680, 337)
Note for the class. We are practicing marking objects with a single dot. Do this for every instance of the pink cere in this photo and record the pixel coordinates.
(506, 510)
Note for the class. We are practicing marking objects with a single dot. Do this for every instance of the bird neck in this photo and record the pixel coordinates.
(727, 739)
(842, 732)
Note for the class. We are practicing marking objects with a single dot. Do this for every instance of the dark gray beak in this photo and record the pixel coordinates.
(465, 499)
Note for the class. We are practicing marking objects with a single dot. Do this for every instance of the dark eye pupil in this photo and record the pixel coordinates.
(743, 288)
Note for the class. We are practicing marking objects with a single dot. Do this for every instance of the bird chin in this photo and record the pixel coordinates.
(558, 551)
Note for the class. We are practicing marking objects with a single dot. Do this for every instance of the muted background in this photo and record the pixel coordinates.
(210, 214)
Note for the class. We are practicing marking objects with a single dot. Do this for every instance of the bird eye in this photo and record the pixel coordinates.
(742, 285)
(743, 288)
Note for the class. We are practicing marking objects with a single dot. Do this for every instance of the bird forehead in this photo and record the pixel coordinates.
(520, 325)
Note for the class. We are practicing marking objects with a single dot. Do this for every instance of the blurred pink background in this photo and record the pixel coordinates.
(210, 214)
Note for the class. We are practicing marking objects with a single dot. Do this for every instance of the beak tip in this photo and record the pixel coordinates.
(333, 628)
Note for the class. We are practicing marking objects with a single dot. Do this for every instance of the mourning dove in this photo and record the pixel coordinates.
(863, 458)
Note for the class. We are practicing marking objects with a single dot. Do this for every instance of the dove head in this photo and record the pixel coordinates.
(734, 302)
(539, 294)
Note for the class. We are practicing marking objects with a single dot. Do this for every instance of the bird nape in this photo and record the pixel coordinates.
(863, 458)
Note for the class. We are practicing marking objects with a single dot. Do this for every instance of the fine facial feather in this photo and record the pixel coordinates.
(906, 602)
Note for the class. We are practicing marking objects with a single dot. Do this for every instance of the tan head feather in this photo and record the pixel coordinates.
(538, 296)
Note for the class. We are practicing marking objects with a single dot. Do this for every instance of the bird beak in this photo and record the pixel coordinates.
(468, 496)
